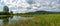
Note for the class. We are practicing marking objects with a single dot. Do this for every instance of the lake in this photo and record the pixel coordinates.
(6, 21)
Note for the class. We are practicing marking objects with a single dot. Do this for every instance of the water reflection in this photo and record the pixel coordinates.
(4, 21)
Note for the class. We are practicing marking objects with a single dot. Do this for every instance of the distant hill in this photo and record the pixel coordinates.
(43, 12)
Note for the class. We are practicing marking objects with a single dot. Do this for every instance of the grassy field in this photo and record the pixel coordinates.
(39, 20)
(48, 19)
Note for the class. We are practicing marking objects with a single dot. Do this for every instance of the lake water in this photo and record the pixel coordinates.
(11, 19)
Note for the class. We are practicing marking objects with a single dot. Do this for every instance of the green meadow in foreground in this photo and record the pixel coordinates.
(39, 20)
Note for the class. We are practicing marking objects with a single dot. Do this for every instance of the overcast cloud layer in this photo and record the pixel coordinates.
(23, 6)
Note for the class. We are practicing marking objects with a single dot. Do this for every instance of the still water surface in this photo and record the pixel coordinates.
(11, 19)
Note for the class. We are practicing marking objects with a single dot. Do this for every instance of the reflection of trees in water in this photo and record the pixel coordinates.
(11, 17)
(5, 20)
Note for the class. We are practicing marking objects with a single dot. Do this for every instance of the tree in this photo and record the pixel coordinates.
(5, 9)
(11, 12)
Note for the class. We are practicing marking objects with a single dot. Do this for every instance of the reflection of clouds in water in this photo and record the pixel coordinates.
(1, 21)
(18, 18)
(14, 19)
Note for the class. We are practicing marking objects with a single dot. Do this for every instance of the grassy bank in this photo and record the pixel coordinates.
(4, 15)
(39, 20)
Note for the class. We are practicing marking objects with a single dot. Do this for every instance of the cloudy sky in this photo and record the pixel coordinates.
(23, 6)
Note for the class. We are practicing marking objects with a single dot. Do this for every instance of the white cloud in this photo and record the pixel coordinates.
(23, 6)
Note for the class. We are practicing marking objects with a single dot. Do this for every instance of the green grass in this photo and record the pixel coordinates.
(3, 15)
(39, 20)
(48, 19)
